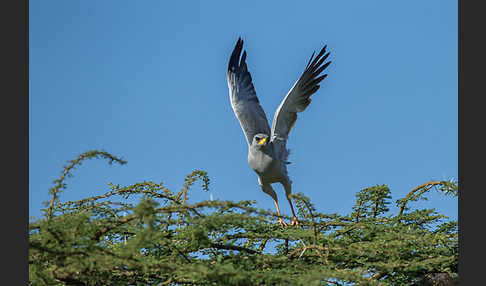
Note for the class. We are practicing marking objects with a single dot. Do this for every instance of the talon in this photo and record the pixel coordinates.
(295, 222)
(282, 222)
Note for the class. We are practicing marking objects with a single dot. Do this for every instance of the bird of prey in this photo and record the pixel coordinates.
(267, 151)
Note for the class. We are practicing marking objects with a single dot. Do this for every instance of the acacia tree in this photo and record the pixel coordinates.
(164, 240)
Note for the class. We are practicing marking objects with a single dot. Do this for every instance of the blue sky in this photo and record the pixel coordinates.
(146, 80)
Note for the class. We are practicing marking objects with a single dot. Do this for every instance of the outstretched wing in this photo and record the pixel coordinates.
(243, 98)
(297, 100)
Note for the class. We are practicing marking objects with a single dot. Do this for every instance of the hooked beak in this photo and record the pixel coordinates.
(261, 142)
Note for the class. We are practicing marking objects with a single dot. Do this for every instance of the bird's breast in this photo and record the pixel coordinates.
(260, 162)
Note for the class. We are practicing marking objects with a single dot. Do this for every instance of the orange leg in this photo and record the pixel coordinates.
(280, 220)
(294, 219)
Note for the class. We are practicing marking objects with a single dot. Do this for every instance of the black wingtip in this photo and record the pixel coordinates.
(235, 55)
(243, 58)
(308, 63)
(239, 42)
(323, 50)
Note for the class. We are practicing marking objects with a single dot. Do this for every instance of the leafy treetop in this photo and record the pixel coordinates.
(164, 240)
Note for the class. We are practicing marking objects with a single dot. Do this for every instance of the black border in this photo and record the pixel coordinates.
(15, 135)
(15, 117)
(471, 128)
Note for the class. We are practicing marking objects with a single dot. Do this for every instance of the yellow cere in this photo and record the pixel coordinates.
(261, 142)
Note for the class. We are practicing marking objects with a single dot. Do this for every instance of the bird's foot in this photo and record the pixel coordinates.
(295, 222)
(282, 222)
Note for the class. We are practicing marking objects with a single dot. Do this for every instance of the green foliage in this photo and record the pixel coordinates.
(164, 240)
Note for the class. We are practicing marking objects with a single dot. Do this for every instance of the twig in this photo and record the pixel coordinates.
(426, 187)
(262, 246)
(78, 161)
(233, 247)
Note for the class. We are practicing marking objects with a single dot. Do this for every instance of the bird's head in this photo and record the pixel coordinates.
(260, 140)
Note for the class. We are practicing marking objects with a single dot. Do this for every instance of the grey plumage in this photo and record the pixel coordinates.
(267, 151)
(243, 98)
